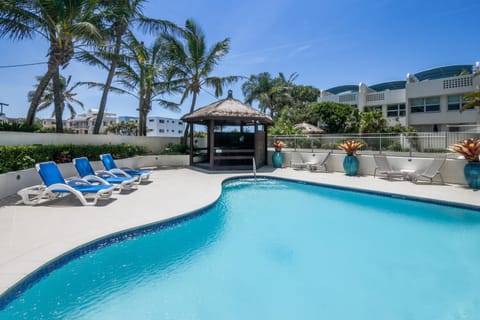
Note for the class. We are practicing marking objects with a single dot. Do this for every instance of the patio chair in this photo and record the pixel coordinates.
(311, 161)
(382, 166)
(85, 170)
(55, 187)
(430, 172)
(109, 164)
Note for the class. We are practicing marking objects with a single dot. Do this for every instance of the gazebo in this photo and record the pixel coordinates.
(236, 135)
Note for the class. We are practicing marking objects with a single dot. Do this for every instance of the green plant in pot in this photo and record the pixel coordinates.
(350, 162)
(470, 150)
(277, 156)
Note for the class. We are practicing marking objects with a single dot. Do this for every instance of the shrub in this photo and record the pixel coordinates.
(13, 158)
(175, 148)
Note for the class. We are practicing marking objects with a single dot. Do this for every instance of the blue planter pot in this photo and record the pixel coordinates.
(277, 159)
(472, 174)
(350, 165)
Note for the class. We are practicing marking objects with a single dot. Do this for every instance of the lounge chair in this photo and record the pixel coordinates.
(312, 162)
(430, 172)
(382, 166)
(85, 170)
(109, 164)
(55, 186)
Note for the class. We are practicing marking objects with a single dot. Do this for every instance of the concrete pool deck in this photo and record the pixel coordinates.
(31, 236)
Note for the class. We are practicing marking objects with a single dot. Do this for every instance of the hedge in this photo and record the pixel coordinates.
(13, 158)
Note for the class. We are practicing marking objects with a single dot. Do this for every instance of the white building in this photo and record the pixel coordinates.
(84, 123)
(428, 101)
(164, 127)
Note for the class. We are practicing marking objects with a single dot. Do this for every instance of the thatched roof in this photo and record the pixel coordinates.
(229, 110)
(308, 128)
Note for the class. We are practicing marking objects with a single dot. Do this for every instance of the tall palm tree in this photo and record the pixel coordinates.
(142, 72)
(64, 24)
(119, 17)
(67, 96)
(191, 63)
(472, 100)
(270, 93)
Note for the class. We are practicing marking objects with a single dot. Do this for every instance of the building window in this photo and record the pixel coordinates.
(180, 122)
(455, 103)
(431, 104)
(151, 120)
(180, 131)
(373, 108)
(161, 121)
(396, 110)
(161, 130)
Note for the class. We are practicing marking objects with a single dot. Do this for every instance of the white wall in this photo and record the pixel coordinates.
(452, 170)
(153, 144)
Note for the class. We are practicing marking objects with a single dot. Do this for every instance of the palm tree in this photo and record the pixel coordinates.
(271, 93)
(67, 96)
(191, 64)
(119, 15)
(64, 24)
(473, 99)
(142, 72)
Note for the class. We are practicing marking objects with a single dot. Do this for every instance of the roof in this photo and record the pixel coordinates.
(308, 128)
(229, 110)
(391, 85)
(443, 72)
(344, 88)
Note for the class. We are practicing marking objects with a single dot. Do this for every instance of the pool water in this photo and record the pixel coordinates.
(274, 249)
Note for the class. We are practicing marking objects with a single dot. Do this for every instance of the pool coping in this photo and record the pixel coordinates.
(44, 269)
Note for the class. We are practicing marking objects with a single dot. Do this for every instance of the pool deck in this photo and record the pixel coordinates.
(30, 236)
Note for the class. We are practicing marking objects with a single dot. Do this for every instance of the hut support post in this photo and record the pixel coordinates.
(211, 142)
(191, 143)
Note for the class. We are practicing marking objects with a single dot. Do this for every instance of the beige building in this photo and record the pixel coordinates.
(84, 123)
(428, 101)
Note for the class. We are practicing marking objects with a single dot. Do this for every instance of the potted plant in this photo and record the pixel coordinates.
(277, 156)
(470, 150)
(350, 162)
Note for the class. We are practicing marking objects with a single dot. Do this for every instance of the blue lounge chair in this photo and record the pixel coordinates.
(85, 170)
(55, 186)
(110, 165)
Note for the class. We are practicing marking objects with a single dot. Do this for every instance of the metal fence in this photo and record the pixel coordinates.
(411, 144)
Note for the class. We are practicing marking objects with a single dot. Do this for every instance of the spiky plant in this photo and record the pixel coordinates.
(468, 148)
(350, 147)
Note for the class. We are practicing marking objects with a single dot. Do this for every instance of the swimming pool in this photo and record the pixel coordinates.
(274, 249)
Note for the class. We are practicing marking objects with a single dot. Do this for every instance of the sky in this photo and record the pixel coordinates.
(327, 43)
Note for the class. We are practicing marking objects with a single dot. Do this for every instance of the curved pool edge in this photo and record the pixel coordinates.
(36, 274)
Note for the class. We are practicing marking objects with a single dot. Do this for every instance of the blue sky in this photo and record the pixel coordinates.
(328, 43)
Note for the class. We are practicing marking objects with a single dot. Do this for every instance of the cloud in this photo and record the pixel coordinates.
(300, 50)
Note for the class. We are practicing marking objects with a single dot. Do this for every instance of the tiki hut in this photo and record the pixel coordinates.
(236, 135)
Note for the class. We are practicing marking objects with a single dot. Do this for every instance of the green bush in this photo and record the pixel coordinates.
(13, 158)
(175, 148)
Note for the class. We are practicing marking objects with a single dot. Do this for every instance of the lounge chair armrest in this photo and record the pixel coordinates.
(120, 172)
(95, 179)
(104, 174)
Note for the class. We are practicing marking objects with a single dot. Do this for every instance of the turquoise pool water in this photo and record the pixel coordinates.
(274, 249)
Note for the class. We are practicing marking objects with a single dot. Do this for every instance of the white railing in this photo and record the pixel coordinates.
(409, 143)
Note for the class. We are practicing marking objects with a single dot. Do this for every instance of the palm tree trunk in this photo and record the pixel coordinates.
(32, 110)
(57, 101)
(192, 108)
(108, 84)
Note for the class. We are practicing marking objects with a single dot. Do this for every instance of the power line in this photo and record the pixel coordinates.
(22, 65)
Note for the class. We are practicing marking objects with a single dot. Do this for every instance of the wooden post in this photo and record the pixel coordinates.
(191, 143)
(211, 142)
